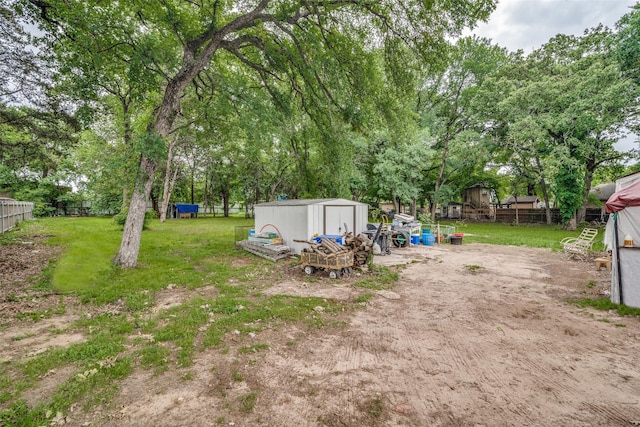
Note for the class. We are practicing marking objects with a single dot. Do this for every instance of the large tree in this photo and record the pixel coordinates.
(560, 110)
(172, 44)
(447, 105)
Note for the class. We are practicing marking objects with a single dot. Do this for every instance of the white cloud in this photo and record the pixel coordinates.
(528, 24)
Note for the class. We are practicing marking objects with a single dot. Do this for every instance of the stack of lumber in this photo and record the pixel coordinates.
(267, 238)
(361, 246)
(271, 252)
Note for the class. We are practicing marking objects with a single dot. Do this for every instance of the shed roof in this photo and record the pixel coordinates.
(522, 199)
(307, 202)
(604, 191)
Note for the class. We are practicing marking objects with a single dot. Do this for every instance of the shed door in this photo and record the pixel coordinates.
(335, 218)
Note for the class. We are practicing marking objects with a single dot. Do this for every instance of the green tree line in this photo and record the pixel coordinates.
(222, 102)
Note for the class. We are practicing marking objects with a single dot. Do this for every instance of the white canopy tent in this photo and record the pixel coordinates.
(622, 238)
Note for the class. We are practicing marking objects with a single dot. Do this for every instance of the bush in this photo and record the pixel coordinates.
(121, 218)
(41, 209)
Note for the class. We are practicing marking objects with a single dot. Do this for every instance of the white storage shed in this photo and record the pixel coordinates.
(301, 219)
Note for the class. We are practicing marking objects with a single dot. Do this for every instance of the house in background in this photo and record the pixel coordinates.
(521, 202)
(477, 203)
(453, 210)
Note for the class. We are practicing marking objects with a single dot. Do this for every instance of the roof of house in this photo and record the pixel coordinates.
(603, 191)
(307, 202)
(521, 199)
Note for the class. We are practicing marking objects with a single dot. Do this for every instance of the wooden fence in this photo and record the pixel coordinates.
(11, 213)
(539, 216)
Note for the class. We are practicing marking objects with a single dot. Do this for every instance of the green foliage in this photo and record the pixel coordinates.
(121, 218)
(628, 49)
(41, 209)
(569, 189)
(151, 145)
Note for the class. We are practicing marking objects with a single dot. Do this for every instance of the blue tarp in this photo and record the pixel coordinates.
(184, 208)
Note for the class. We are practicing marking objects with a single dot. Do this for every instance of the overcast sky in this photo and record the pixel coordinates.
(528, 24)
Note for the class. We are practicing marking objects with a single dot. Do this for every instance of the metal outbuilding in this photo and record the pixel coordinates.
(302, 219)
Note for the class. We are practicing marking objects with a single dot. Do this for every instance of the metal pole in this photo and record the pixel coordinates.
(616, 243)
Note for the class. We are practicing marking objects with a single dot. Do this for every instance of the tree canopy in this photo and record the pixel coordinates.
(218, 102)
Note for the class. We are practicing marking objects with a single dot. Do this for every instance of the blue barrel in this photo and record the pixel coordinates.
(252, 232)
(428, 239)
(415, 239)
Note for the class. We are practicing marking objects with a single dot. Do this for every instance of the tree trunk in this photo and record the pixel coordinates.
(193, 182)
(225, 196)
(167, 187)
(169, 183)
(545, 193)
(130, 246)
(588, 179)
(443, 165)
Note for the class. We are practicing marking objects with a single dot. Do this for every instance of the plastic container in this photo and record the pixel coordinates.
(252, 232)
(428, 239)
(415, 239)
(628, 241)
(426, 231)
(456, 240)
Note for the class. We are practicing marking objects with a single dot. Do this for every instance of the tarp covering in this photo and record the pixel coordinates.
(628, 196)
(185, 208)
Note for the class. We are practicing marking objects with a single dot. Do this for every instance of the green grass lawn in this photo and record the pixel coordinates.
(532, 235)
(191, 253)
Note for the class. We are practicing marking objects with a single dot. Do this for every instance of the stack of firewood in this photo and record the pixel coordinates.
(326, 247)
(361, 246)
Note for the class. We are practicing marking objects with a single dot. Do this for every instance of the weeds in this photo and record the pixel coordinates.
(605, 304)
(248, 401)
(381, 278)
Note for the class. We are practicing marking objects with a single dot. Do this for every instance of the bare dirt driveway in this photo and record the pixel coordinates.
(471, 335)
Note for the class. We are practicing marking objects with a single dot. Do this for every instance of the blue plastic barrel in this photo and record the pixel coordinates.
(252, 232)
(428, 239)
(415, 239)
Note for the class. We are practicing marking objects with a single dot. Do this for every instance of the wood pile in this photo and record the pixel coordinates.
(360, 245)
(325, 247)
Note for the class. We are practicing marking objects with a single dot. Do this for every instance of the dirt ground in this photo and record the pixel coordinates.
(471, 335)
